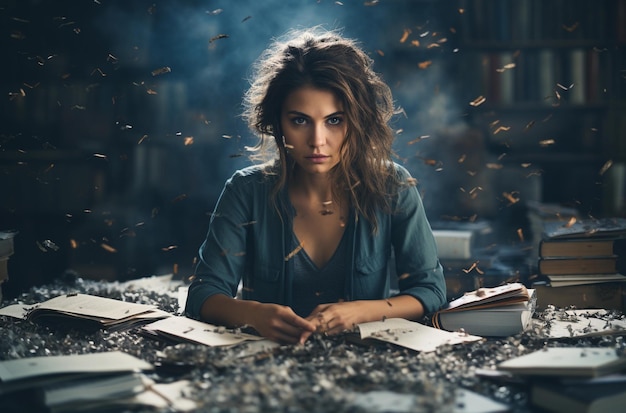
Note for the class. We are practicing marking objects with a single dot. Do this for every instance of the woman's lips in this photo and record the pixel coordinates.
(317, 158)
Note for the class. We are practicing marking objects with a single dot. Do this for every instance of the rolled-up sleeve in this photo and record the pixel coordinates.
(222, 257)
(417, 265)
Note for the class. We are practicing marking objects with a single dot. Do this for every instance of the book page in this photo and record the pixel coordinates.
(188, 329)
(107, 362)
(174, 396)
(487, 295)
(412, 335)
(94, 306)
(15, 310)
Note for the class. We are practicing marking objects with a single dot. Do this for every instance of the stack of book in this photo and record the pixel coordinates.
(466, 255)
(573, 379)
(540, 215)
(496, 312)
(6, 250)
(582, 255)
(107, 381)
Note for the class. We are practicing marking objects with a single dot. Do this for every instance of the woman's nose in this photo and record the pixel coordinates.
(318, 136)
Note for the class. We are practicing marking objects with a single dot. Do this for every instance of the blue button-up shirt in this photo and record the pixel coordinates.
(249, 240)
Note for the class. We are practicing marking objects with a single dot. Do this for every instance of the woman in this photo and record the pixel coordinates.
(311, 232)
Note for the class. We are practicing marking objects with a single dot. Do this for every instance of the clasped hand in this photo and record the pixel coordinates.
(280, 323)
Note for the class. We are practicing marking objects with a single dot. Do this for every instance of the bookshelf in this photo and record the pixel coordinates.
(545, 80)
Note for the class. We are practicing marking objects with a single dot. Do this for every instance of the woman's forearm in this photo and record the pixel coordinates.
(401, 306)
(227, 311)
(273, 321)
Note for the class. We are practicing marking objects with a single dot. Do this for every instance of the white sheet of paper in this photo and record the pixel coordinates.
(199, 332)
(412, 335)
(106, 362)
(385, 401)
(173, 396)
(182, 298)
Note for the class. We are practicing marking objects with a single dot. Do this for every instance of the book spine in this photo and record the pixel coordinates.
(578, 85)
(547, 80)
(560, 249)
(620, 18)
(507, 80)
(550, 266)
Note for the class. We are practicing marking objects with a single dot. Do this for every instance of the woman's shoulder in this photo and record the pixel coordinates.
(399, 169)
(401, 175)
(255, 174)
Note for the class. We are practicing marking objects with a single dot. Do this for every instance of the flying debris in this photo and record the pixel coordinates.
(218, 37)
(161, 71)
(478, 101)
(607, 165)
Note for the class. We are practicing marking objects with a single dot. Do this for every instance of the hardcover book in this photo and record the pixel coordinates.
(606, 295)
(453, 244)
(575, 265)
(500, 312)
(585, 228)
(582, 247)
(39, 371)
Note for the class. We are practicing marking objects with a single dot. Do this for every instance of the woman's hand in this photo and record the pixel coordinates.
(279, 323)
(275, 322)
(335, 318)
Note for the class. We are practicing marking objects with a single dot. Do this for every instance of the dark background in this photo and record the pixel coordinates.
(110, 167)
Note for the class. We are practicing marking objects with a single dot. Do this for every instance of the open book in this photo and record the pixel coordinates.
(499, 312)
(84, 311)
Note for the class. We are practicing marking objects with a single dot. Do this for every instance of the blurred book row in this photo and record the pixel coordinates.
(528, 21)
(6, 250)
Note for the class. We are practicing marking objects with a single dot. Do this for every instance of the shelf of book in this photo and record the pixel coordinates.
(545, 80)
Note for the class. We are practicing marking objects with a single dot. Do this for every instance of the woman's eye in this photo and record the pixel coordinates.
(298, 121)
(335, 120)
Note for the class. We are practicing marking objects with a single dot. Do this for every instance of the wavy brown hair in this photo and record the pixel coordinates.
(326, 60)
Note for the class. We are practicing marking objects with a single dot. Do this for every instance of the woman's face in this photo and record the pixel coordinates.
(314, 126)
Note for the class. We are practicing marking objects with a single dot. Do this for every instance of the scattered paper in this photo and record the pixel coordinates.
(566, 361)
(582, 323)
(94, 306)
(187, 329)
(465, 401)
(412, 335)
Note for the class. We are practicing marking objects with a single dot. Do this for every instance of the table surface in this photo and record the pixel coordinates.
(327, 374)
